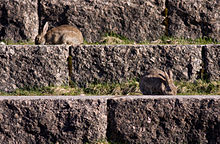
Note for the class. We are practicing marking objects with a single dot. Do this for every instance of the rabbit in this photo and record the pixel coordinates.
(157, 82)
(64, 34)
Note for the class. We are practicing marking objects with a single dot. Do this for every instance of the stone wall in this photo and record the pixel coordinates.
(18, 20)
(212, 61)
(194, 18)
(182, 119)
(128, 119)
(117, 63)
(52, 120)
(37, 66)
(137, 20)
(32, 66)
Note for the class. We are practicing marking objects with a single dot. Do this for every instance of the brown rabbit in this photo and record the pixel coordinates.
(64, 34)
(157, 82)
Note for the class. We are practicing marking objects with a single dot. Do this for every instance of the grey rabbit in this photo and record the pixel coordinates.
(157, 82)
(64, 34)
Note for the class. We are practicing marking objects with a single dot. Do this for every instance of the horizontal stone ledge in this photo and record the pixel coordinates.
(123, 119)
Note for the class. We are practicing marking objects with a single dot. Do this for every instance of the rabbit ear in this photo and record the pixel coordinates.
(170, 74)
(163, 77)
(166, 75)
(45, 28)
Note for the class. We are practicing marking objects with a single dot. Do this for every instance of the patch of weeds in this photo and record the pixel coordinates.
(52, 90)
(127, 88)
(30, 92)
(21, 42)
(183, 41)
(124, 40)
(85, 42)
(113, 38)
(131, 87)
(67, 90)
(98, 89)
(198, 87)
(4, 93)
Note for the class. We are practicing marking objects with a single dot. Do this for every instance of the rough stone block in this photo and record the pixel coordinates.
(18, 19)
(164, 119)
(117, 63)
(137, 20)
(194, 18)
(212, 61)
(52, 119)
(30, 66)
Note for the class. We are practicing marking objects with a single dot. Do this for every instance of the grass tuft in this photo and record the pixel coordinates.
(183, 41)
(127, 88)
(21, 42)
(198, 87)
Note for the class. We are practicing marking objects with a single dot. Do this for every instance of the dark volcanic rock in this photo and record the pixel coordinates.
(211, 54)
(137, 20)
(194, 18)
(18, 20)
(30, 66)
(117, 63)
(182, 119)
(52, 120)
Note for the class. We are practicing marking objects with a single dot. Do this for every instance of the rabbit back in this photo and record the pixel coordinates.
(156, 82)
(152, 82)
(64, 34)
